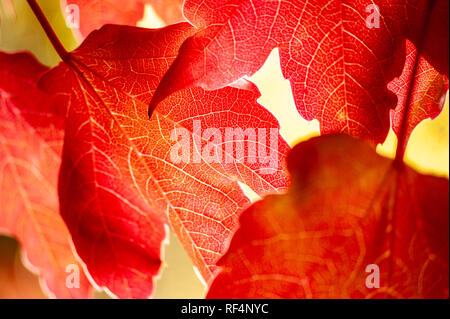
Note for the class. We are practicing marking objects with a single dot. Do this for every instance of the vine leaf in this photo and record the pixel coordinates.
(338, 67)
(118, 185)
(31, 142)
(347, 208)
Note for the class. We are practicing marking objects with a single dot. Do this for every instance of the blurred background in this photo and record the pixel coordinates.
(427, 152)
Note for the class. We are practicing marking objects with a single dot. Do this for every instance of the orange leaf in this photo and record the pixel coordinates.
(30, 152)
(348, 211)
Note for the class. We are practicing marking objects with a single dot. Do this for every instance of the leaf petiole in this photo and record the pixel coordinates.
(57, 45)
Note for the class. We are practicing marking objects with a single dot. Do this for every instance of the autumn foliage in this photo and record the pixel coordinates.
(86, 149)
(322, 238)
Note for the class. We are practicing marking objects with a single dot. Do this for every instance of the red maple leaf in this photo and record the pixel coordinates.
(118, 184)
(93, 14)
(31, 141)
(349, 216)
(338, 59)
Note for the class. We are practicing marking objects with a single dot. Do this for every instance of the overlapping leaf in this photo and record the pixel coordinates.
(119, 185)
(338, 66)
(347, 209)
(31, 136)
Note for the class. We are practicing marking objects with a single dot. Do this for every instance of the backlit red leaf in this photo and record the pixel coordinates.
(347, 209)
(31, 138)
(119, 186)
(338, 67)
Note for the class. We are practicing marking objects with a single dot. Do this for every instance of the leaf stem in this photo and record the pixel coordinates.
(63, 54)
(401, 145)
